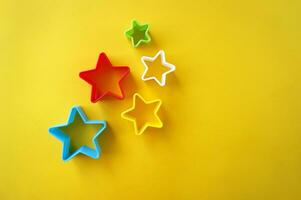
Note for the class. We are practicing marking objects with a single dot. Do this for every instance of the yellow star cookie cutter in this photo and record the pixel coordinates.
(139, 114)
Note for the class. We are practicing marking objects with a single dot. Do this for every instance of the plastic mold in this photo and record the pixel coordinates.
(170, 68)
(138, 34)
(143, 114)
(57, 131)
(105, 79)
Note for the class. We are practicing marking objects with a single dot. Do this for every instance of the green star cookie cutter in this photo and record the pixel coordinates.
(138, 33)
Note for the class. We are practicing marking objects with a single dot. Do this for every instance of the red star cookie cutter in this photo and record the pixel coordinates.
(105, 79)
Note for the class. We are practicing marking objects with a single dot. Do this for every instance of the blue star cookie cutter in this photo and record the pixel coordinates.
(57, 132)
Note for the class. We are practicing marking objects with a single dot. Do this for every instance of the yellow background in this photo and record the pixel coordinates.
(231, 110)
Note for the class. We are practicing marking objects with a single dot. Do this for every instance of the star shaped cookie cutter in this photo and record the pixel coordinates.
(138, 34)
(135, 114)
(57, 132)
(170, 66)
(105, 79)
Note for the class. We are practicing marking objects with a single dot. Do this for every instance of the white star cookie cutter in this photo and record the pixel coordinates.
(170, 66)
